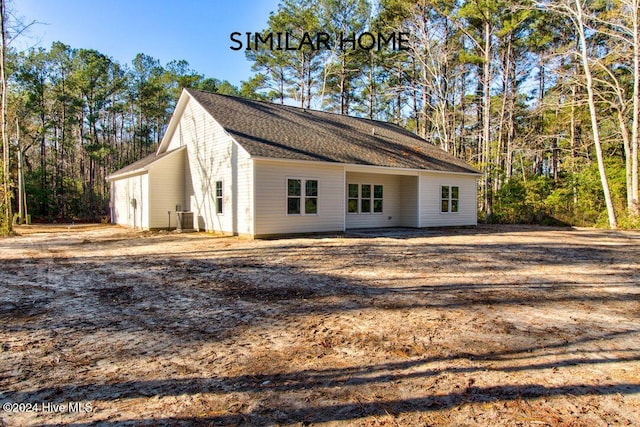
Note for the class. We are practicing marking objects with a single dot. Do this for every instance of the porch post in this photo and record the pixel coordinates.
(419, 199)
(344, 198)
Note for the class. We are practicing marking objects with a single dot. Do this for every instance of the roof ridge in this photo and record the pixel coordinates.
(304, 109)
(265, 129)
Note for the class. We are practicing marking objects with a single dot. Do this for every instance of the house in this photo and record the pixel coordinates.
(258, 169)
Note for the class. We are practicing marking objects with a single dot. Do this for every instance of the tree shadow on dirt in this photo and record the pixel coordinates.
(352, 377)
(211, 295)
(208, 294)
(352, 411)
(197, 296)
(336, 377)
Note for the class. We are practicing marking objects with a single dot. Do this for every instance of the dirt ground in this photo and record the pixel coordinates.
(491, 326)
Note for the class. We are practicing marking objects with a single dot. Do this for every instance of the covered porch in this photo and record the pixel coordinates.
(381, 199)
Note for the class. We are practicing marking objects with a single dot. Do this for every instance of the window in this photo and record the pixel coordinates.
(364, 198)
(302, 189)
(454, 199)
(311, 196)
(294, 193)
(449, 199)
(352, 200)
(219, 197)
(377, 198)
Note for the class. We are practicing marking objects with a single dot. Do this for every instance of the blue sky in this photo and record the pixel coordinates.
(197, 31)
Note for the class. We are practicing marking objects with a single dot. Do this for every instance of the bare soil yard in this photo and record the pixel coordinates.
(491, 326)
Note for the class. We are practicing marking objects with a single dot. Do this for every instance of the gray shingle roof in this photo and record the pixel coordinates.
(284, 132)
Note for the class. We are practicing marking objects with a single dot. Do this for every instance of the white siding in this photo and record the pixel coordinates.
(245, 191)
(270, 195)
(390, 216)
(122, 192)
(408, 201)
(430, 214)
(181, 135)
(212, 156)
(166, 190)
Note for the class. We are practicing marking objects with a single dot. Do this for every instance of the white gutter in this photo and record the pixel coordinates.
(358, 168)
(143, 169)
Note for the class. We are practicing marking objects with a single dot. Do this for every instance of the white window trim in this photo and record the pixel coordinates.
(372, 199)
(215, 197)
(354, 198)
(449, 200)
(303, 195)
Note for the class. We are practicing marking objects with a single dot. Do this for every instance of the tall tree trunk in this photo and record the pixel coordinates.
(63, 141)
(573, 134)
(486, 111)
(594, 118)
(554, 159)
(453, 122)
(81, 154)
(281, 85)
(372, 86)
(463, 113)
(342, 83)
(399, 99)
(624, 132)
(635, 5)
(511, 127)
(506, 74)
(43, 166)
(414, 95)
(309, 83)
(480, 152)
(302, 81)
(503, 111)
(6, 179)
(423, 111)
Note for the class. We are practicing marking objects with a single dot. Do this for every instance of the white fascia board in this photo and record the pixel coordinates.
(173, 122)
(350, 167)
(166, 156)
(144, 169)
(129, 174)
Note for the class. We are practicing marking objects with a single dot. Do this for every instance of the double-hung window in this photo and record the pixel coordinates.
(377, 199)
(302, 196)
(449, 199)
(353, 197)
(364, 198)
(219, 197)
(310, 196)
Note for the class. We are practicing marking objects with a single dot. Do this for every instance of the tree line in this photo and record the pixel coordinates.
(541, 96)
(76, 115)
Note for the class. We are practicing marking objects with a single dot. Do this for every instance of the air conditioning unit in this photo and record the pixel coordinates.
(185, 221)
